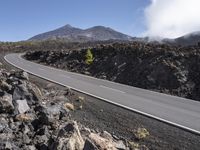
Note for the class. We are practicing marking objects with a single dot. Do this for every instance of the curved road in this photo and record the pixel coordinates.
(181, 112)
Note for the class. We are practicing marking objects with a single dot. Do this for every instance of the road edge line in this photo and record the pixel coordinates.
(111, 102)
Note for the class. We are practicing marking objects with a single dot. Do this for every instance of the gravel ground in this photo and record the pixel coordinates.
(102, 116)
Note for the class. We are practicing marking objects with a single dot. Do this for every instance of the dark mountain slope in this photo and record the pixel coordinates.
(186, 40)
(97, 33)
(63, 32)
(189, 39)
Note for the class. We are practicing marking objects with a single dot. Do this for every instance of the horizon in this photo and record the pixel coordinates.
(137, 18)
(22, 19)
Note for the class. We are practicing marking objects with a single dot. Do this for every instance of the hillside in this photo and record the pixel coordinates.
(189, 39)
(185, 40)
(163, 68)
(72, 34)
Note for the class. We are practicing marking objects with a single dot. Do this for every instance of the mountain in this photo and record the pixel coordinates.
(186, 40)
(69, 33)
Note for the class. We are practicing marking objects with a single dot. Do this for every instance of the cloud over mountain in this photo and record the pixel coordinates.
(172, 18)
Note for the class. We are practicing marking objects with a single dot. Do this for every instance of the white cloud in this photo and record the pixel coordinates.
(172, 18)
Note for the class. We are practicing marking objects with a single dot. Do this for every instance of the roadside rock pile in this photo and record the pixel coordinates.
(33, 118)
(163, 68)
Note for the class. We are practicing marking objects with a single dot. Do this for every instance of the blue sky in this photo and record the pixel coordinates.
(22, 19)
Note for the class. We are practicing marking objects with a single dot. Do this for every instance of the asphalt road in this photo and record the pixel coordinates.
(181, 112)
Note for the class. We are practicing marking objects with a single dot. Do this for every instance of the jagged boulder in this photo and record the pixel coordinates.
(22, 106)
(5, 86)
(6, 104)
(89, 145)
(31, 120)
(35, 90)
(21, 75)
(21, 92)
(69, 137)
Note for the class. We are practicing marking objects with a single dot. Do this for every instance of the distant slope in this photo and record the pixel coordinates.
(186, 40)
(97, 33)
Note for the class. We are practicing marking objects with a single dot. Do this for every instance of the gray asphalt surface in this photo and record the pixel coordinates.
(177, 111)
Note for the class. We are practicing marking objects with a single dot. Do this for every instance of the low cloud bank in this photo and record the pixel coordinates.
(172, 18)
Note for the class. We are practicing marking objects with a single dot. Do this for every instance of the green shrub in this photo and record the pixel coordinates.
(89, 57)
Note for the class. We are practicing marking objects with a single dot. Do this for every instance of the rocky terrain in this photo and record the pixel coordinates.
(73, 34)
(163, 68)
(128, 130)
(34, 118)
(46, 45)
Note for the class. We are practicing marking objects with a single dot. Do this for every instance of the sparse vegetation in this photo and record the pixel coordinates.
(141, 133)
(69, 106)
(137, 146)
(133, 145)
(89, 57)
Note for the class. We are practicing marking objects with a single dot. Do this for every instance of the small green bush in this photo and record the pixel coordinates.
(89, 57)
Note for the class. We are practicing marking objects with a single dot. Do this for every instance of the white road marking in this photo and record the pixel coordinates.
(41, 69)
(110, 101)
(65, 76)
(111, 89)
